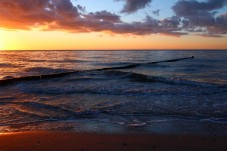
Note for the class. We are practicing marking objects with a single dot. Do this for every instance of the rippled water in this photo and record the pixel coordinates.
(84, 91)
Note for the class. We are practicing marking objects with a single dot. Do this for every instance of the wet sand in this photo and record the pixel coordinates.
(70, 141)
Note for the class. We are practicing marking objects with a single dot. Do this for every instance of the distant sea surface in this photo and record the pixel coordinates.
(114, 91)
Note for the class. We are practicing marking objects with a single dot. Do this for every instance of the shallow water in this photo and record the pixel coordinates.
(186, 96)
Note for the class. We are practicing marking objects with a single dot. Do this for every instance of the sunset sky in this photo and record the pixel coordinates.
(112, 24)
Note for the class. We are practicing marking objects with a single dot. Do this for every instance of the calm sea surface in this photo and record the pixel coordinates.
(82, 91)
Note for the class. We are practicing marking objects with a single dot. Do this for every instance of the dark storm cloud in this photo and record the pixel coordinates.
(202, 17)
(132, 6)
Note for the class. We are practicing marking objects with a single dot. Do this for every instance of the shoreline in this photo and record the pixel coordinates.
(73, 141)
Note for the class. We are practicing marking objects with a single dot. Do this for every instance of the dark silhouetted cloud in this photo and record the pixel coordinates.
(132, 6)
(103, 16)
(156, 12)
(202, 17)
(81, 8)
(192, 7)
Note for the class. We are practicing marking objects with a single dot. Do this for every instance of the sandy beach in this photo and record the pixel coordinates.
(113, 75)
(70, 141)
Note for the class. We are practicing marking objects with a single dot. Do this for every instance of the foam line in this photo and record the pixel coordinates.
(38, 77)
(122, 67)
(172, 60)
(138, 64)
(56, 75)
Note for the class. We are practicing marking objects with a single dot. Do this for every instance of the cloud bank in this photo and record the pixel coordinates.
(62, 15)
(191, 16)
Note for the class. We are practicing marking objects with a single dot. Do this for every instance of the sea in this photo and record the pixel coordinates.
(152, 92)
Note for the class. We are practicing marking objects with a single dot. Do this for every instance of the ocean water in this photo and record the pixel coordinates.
(114, 91)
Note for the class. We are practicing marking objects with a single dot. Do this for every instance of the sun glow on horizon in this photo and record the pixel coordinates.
(112, 25)
(1, 43)
(63, 40)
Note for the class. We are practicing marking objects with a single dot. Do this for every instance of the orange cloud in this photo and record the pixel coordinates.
(63, 15)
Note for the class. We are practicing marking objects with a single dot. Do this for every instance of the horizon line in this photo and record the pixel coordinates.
(121, 50)
(116, 50)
